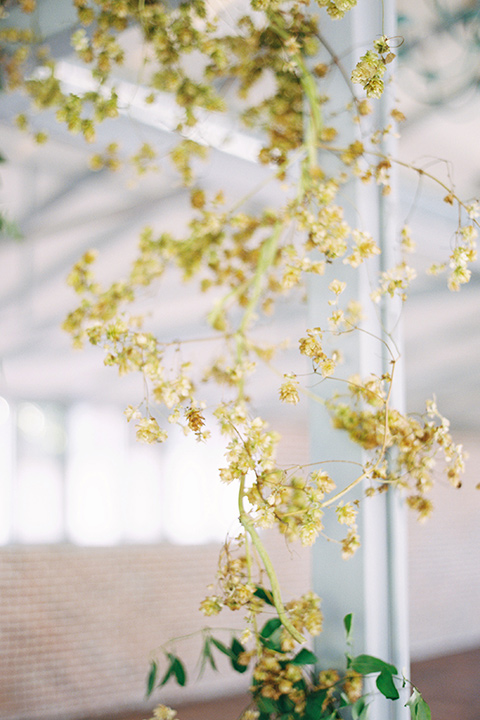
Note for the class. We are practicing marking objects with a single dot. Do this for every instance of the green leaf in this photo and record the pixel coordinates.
(237, 647)
(232, 652)
(236, 650)
(266, 705)
(175, 669)
(313, 708)
(270, 627)
(207, 657)
(286, 705)
(360, 709)
(419, 709)
(167, 676)
(304, 657)
(239, 667)
(386, 685)
(152, 676)
(211, 660)
(366, 664)
(179, 672)
(264, 595)
(347, 623)
(223, 648)
(10, 228)
(271, 633)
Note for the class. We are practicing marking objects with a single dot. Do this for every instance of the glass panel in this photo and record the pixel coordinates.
(38, 492)
(95, 475)
(143, 494)
(199, 509)
(6, 470)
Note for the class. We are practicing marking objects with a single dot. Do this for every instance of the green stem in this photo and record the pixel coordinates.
(253, 616)
(309, 85)
(265, 260)
(267, 564)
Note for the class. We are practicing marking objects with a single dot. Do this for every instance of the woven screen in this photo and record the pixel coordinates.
(78, 625)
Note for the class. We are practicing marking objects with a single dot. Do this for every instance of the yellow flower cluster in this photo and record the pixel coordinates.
(305, 614)
(394, 281)
(273, 678)
(289, 390)
(311, 346)
(371, 67)
(337, 8)
(463, 254)
(418, 443)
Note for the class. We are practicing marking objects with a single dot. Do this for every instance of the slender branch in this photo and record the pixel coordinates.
(381, 454)
(269, 569)
(267, 254)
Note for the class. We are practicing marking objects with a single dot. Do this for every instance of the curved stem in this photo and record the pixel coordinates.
(267, 255)
(409, 166)
(381, 454)
(248, 556)
(269, 569)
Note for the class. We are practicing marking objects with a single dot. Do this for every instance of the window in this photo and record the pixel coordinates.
(77, 474)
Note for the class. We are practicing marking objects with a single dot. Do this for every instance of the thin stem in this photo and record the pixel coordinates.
(267, 255)
(409, 166)
(267, 564)
(248, 556)
(381, 454)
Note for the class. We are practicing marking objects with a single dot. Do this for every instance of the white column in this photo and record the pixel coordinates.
(372, 585)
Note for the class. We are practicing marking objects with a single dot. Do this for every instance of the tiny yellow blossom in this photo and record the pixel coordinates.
(346, 514)
(350, 544)
(323, 481)
(163, 712)
(148, 431)
(353, 685)
(132, 413)
(407, 244)
(328, 678)
(354, 313)
(421, 505)
(289, 390)
(211, 605)
(337, 286)
(327, 367)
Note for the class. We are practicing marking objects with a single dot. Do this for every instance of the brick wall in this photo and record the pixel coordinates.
(79, 624)
(444, 566)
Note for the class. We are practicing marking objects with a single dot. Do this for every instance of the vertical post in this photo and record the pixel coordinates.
(371, 585)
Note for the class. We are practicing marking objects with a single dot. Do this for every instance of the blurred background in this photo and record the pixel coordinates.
(97, 566)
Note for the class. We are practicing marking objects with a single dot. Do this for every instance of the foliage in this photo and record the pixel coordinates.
(285, 683)
(247, 259)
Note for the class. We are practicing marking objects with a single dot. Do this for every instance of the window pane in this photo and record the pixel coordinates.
(198, 508)
(6, 471)
(38, 489)
(143, 494)
(95, 475)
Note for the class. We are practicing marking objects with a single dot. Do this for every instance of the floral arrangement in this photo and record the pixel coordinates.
(246, 261)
